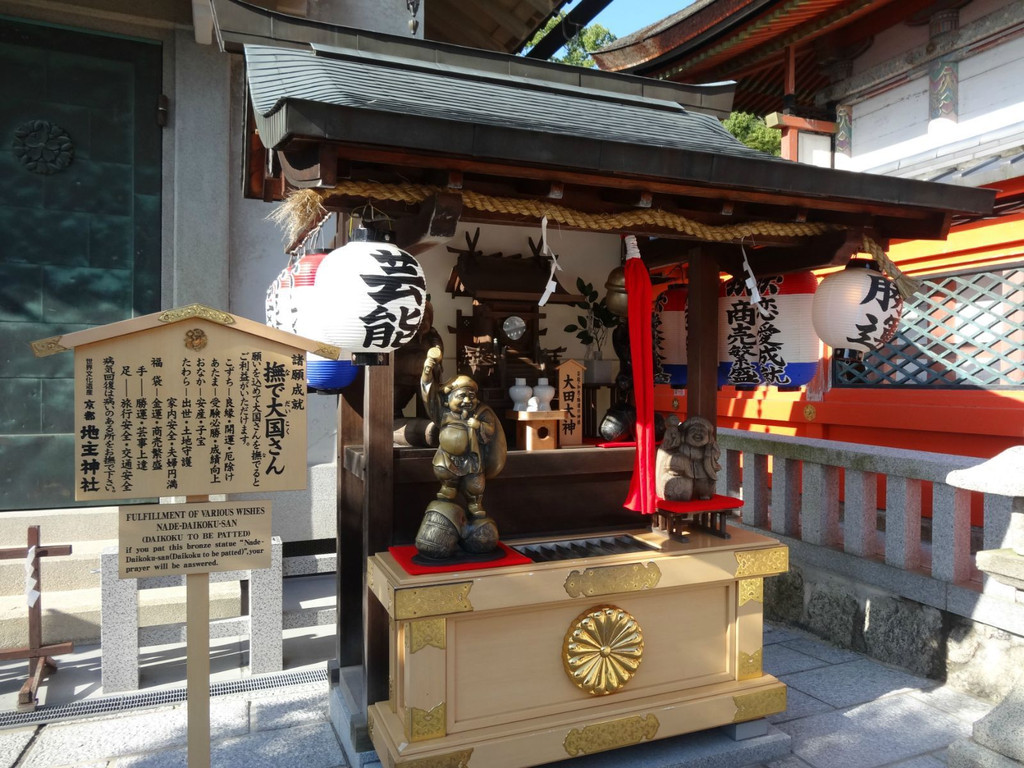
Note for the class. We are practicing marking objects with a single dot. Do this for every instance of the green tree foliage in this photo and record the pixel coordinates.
(577, 51)
(752, 131)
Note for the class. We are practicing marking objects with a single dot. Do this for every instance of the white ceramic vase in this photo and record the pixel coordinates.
(543, 392)
(520, 393)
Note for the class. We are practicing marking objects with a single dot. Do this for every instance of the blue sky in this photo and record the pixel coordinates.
(622, 17)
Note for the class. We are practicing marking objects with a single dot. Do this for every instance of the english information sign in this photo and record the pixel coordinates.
(172, 539)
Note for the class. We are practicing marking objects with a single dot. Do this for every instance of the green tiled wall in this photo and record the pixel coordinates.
(79, 247)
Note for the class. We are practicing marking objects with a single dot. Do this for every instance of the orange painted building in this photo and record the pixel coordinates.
(915, 90)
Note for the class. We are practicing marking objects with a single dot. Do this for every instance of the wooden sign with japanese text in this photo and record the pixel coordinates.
(193, 407)
(171, 539)
(570, 398)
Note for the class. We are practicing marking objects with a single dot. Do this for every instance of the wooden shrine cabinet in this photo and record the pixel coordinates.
(480, 660)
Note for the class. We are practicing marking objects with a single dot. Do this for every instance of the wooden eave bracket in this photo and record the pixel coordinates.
(830, 249)
(434, 224)
(310, 166)
(780, 120)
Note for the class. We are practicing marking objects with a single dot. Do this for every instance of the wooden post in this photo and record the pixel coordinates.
(349, 579)
(197, 662)
(702, 341)
(378, 517)
(38, 655)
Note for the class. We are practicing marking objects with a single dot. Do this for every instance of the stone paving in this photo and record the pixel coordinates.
(845, 711)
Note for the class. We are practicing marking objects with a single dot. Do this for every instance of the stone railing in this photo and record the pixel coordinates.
(823, 501)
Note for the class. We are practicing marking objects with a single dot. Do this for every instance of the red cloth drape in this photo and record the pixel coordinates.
(638, 287)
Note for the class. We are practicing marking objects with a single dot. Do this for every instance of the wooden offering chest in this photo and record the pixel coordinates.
(599, 643)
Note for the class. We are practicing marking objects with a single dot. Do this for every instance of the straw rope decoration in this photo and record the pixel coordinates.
(303, 212)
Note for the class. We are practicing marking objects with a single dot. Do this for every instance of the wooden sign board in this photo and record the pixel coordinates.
(169, 539)
(570, 398)
(201, 403)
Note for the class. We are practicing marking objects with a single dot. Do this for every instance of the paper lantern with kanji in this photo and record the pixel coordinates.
(856, 310)
(292, 289)
(368, 297)
(737, 336)
(673, 330)
(787, 346)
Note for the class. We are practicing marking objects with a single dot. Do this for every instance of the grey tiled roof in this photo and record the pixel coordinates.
(432, 90)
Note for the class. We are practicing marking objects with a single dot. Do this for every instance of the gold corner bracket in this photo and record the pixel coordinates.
(426, 632)
(762, 562)
(425, 725)
(422, 602)
(751, 706)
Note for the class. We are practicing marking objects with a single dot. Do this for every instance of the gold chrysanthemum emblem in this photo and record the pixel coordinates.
(602, 650)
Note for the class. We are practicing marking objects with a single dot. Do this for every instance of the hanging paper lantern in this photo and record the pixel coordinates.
(737, 336)
(856, 310)
(367, 297)
(673, 330)
(292, 289)
(787, 346)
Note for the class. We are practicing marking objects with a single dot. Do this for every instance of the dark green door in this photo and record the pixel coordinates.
(79, 228)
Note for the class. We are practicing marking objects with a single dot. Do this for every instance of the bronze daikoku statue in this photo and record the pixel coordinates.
(472, 449)
(687, 465)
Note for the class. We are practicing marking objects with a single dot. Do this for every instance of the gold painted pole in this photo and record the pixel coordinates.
(197, 662)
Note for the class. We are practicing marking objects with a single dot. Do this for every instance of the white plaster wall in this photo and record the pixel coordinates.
(893, 129)
(992, 86)
(890, 125)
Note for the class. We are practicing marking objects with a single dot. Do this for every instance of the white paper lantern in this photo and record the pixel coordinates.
(737, 336)
(673, 329)
(278, 304)
(368, 297)
(772, 342)
(292, 289)
(856, 310)
(787, 346)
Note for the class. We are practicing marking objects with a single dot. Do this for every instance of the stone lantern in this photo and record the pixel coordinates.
(998, 738)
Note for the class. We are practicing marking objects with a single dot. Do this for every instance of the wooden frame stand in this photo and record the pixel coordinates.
(39, 656)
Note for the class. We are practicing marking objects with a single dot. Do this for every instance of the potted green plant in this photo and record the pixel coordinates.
(592, 327)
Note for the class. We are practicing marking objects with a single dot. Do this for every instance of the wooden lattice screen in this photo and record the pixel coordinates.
(962, 331)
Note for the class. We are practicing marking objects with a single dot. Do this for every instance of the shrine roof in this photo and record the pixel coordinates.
(493, 25)
(393, 109)
(749, 41)
(500, 91)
